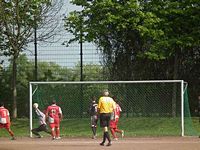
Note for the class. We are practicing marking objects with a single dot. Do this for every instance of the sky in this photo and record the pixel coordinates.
(58, 53)
(62, 55)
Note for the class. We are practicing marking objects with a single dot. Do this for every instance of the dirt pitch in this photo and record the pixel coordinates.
(149, 143)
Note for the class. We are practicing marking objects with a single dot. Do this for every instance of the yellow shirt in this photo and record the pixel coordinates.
(106, 104)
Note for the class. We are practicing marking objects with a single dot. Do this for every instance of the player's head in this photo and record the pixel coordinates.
(93, 99)
(105, 93)
(53, 102)
(1, 104)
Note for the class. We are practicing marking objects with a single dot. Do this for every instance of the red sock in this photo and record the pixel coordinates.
(113, 132)
(10, 132)
(53, 132)
(117, 130)
(57, 132)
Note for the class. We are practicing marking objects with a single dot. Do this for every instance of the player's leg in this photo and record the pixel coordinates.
(7, 127)
(93, 126)
(57, 128)
(118, 130)
(102, 124)
(35, 132)
(53, 134)
(112, 130)
(57, 133)
(107, 135)
(107, 124)
(45, 129)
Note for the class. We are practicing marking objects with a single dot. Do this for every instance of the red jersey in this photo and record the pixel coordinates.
(4, 115)
(117, 111)
(53, 112)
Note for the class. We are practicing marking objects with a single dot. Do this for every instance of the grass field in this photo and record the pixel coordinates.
(134, 127)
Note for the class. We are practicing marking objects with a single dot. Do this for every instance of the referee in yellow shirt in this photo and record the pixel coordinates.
(106, 106)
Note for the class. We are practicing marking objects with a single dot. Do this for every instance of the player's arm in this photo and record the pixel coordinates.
(8, 116)
(99, 106)
(60, 114)
(114, 109)
(46, 115)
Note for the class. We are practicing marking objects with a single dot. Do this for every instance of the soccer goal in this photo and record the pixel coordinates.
(154, 108)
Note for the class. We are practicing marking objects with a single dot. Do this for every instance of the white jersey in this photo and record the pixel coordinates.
(41, 116)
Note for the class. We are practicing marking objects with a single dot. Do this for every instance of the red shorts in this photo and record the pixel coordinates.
(56, 123)
(113, 124)
(6, 126)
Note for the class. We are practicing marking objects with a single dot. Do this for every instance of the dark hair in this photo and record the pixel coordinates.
(53, 102)
(1, 104)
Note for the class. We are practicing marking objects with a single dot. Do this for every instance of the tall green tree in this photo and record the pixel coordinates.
(121, 29)
(17, 20)
(133, 32)
(180, 23)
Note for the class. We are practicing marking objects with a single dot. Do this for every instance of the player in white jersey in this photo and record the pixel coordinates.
(42, 122)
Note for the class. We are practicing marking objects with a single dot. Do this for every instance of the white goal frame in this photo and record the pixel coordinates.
(31, 93)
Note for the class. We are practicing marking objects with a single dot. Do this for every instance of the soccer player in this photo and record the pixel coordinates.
(106, 106)
(54, 116)
(42, 122)
(93, 111)
(5, 120)
(114, 121)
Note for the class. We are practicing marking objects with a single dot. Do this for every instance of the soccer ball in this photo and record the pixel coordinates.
(35, 105)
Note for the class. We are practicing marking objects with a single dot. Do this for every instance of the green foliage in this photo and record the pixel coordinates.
(180, 24)
(17, 22)
(47, 71)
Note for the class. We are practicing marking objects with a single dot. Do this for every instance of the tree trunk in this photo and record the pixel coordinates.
(14, 89)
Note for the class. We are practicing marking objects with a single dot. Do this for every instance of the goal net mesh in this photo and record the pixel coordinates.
(155, 106)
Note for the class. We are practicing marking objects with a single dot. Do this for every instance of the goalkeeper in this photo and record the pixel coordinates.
(42, 122)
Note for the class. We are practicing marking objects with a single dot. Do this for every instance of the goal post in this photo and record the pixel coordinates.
(145, 101)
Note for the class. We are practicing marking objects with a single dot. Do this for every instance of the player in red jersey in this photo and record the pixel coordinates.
(114, 121)
(5, 120)
(54, 116)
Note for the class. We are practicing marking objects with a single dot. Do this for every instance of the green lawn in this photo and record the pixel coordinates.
(133, 127)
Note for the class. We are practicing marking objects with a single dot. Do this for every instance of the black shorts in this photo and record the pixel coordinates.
(105, 119)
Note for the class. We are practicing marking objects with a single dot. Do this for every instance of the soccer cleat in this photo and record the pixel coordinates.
(109, 144)
(40, 136)
(53, 138)
(13, 138)
(102, 144)
(58, 138)
(115, 139)
(122, 133)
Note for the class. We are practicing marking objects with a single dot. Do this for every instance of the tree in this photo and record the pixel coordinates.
(17, 22)
(180, 24)
(121, 29)
(156, 31)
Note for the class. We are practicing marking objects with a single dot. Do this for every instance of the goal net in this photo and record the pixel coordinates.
(152, 108)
